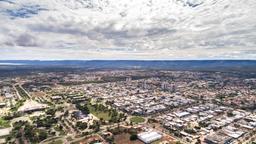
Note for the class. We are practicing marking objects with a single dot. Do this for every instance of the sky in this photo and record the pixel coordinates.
(127, 29)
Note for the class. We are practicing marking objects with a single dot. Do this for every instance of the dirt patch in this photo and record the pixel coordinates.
(91, 140)
(124, 138)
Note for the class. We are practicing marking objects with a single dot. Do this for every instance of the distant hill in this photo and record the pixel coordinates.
(190, 65)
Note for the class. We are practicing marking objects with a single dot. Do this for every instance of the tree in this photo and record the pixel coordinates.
(42, 135)
(83, 108)
(95, 126)
(198, 141)
(51, 111)
(190, 131)
(203, 124)
(177, 134)
(133, 137)
(28, 131)
(122, 116)
(81, 125)
(66, 113)
(33, 134)
(110, 139)
(230, 114)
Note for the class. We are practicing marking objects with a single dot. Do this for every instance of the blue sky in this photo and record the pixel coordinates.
(127, 29)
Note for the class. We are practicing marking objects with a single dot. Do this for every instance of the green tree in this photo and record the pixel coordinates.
(230, 114)
(133, 137)
(42, 135)
(83, 108)
(50, 111)
(81, 125)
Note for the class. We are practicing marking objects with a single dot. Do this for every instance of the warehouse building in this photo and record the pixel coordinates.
(148, 137)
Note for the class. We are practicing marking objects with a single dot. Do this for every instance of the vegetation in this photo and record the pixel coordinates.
(17, 105)
(21, 92)
(59, 128)
(133, 137)
(99, 111)
(190, 131)
(34, 134)
(230, 114)
(137, 119)
(80, 83)
(83, 108)
(95, 126)
(105, 114)
(204, 124)
(56, 142)
(122, 135)
(31, 133)
(81, 125)
(114, 78)
(50, 111)
(4, 123)
(46, 121)
(152, 120)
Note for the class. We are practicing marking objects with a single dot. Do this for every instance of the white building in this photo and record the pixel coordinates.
(148, 137)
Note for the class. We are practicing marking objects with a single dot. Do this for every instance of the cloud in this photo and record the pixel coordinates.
(25, 11)
(7, 1)
(129, 29)
(26, 40)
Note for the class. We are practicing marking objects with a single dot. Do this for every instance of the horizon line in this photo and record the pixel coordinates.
(130, 60)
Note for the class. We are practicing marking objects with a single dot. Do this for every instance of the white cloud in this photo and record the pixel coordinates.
(128, 29)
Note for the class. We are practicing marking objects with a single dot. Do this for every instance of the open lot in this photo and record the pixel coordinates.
(124, 138)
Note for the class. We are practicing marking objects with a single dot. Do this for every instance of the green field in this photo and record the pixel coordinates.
(99, 114)
(4, 123)
(137, 119)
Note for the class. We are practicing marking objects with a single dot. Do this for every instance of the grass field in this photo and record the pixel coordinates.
(137, 119)
(99, 114)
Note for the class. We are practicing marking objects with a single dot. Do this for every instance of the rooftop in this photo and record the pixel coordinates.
(148, 137)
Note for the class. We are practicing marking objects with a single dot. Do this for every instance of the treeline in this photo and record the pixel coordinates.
(31, 133)
(21, 92)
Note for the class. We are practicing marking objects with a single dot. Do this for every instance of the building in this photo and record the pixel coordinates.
(56, 98)
(3, 133)
(8, 95)
(182, 114)
(31, 106)
(218, 138)
(2, 104)
(148, 137)
(79, 115)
